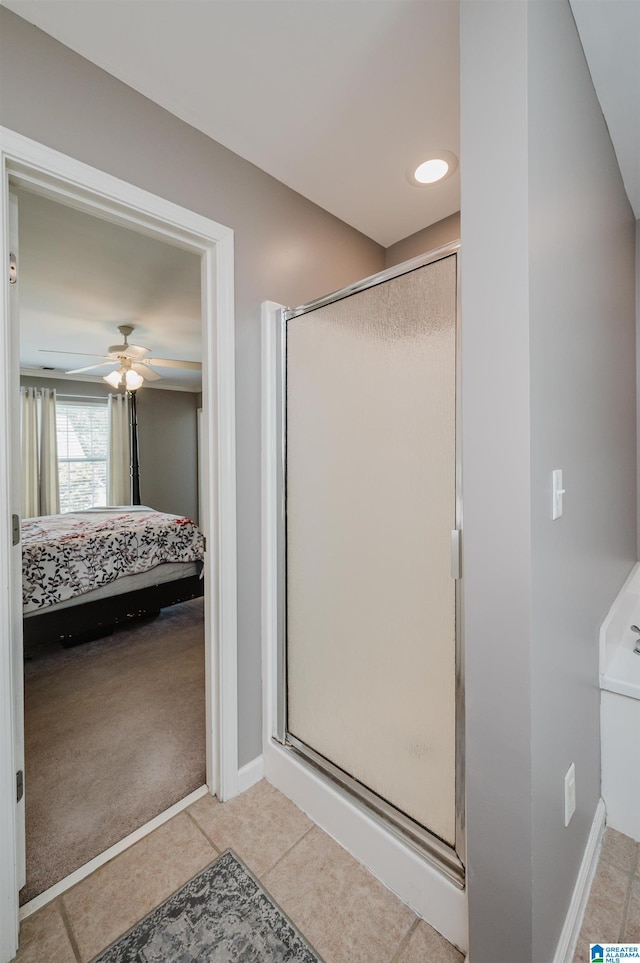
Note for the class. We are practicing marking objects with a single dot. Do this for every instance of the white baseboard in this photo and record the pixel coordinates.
(414, 880)
(570, 931)
(250, 774)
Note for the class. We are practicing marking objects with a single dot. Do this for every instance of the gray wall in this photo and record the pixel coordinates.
(638, 360)
(428, 239)
(548, 360)
(496, 474)
(168, 441)
(286, 248)
(168, 447)
(583, 419)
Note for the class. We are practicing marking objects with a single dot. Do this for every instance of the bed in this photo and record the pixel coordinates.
(85, 572)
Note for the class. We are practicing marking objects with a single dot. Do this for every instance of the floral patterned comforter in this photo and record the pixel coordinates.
(68, 555)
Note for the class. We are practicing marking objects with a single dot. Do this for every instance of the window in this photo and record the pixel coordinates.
(82, 433)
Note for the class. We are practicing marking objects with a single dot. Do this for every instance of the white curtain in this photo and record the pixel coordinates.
(118, 459)
(30, 454)
(40, 485)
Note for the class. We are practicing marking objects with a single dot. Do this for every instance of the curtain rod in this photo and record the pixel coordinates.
(67, 397)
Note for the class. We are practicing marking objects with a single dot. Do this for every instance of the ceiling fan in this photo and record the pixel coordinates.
(130, 366)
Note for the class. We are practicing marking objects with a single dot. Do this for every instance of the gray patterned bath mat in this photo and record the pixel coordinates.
(222, 915)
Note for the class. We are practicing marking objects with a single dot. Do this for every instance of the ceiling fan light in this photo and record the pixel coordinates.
(133, 380)
(114, 378)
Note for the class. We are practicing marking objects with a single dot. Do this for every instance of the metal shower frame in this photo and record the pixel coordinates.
(448, 859)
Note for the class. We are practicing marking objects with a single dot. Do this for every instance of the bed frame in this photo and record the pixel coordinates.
(94, 620)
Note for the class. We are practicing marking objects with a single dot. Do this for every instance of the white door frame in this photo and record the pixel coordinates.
(71, 182)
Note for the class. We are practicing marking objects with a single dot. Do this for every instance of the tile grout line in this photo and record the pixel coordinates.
(199, 827)
(286, 852)
(405, 940)
(67, 925)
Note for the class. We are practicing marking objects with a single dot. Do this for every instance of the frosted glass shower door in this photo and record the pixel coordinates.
(370, 505)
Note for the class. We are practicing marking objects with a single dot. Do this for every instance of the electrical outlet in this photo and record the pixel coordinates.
(569, 793)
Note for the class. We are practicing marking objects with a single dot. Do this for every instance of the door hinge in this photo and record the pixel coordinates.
(19, 785)
(15, 529)
(13, 269)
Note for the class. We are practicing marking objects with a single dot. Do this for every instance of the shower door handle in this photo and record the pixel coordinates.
(456, 556)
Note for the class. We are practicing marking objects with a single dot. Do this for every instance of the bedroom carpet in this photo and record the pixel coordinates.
(114, 735)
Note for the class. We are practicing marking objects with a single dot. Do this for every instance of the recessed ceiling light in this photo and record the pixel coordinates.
(431, 170)
(436, 168)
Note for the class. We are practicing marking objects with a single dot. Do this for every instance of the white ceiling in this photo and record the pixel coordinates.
(335, 98)
(610, 35)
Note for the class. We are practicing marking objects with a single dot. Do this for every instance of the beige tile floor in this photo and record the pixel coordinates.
(613, 910)
(343, 911)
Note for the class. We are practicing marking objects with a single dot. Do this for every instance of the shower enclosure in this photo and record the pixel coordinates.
(369, 686)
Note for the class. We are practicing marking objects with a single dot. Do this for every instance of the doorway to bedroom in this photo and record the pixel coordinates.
(114, 710)
(157, 696)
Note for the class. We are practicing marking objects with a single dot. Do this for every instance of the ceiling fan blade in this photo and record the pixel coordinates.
(80, 354)
(90, 367)
(172, 363)
(145, 372)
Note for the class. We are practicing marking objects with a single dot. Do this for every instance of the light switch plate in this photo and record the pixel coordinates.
(558, 494)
